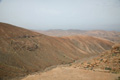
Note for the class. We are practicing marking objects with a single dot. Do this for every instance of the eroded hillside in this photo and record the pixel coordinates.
(23, 52)
(108, 61)
(103, 67)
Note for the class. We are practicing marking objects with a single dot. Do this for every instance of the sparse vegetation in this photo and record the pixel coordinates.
(108, 68)
(118, 78)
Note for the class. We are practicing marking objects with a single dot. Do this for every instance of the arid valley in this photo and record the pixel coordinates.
(59, 39)
(29, 55)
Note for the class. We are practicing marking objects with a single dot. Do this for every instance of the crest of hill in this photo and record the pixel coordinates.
(23, 52)
(8, 30)
(109, 35)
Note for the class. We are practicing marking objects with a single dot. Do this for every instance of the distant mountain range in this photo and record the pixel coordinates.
(109, 35)
(23, 52)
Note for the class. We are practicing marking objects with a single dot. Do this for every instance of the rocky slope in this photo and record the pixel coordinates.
(23, 52)
(109, 61)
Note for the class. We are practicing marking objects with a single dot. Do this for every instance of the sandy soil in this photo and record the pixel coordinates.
(71, 73)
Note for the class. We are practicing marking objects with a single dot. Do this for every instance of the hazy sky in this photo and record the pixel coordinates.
(62, 14)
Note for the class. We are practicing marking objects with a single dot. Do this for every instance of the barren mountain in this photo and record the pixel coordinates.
(109, 35)
(103, 67)
(23, 52)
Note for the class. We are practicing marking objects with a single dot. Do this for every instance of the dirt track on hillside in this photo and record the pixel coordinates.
(71, 73)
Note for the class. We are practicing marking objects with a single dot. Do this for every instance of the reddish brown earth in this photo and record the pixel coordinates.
(103, 67)
(23, 52)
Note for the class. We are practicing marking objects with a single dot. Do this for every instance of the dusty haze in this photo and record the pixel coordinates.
(62, 14)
